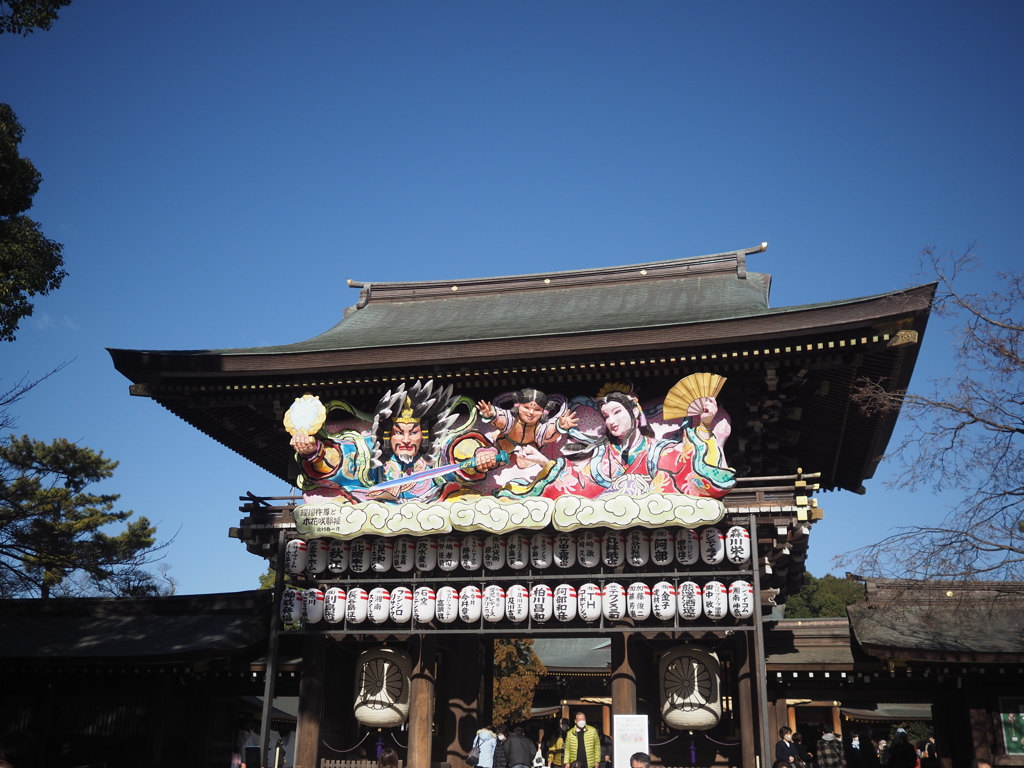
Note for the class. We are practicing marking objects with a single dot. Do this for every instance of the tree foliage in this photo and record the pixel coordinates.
(51, 529)
(965, 441)
(517, 670)
(823, 598)
(30, 263)
(22, 17)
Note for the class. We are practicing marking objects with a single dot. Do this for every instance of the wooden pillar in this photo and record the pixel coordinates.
(980, 733)
(792, 718)
(837, 722)
(778, 716)
(748, 724)
(623, 678)
(311, 701)
(461, 669)
(421, 702)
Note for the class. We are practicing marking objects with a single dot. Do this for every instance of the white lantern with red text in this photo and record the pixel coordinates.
(638, 547)
(382, 554)
(494, 553)
(317, 555)
(295, 556)
(334, 605)
(359, 556)
(405, 554)
(541, 550)
(663, 549)
(588, 549)
(337, 556)
(565, 602)
(470, 604)
(356, 605)
(426, 554)
(712, 546)
(447, 605)
(737, 545)
(401, 605)
(541, 603)
(741, 599)
(716, 602)
(494, 603)
(638, 601)
(565, 550)
(447, 553)
(613, 549)
(588, 602)
(472, 553)
(613, 601)
(313, 600)
(378, 607)
(663, 601)
(687, 547)
(423, 604)
(689, 600)
(518, 553)
(517, 603)
(291, 605)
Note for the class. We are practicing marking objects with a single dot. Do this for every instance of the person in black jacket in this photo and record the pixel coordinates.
(501, 750)
(785, 749)
(520, 750)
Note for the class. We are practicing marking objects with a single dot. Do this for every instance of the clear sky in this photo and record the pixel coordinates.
(216, 170)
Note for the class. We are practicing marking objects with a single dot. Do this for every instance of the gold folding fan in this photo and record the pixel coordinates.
(689, 390)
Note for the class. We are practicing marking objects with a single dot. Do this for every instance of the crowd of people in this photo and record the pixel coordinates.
(861, 751)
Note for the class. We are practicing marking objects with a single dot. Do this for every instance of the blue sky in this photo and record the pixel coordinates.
(217, 170)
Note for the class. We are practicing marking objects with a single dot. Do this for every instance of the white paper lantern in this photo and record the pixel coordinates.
(518, 553)
(638, 547)
(588, 602)
(359, 556)
(689, 682)
(337, 556)
(517, 603)
(494, 553)
(334, 605)
(383, 679)
(382, 553)
(378, 607)
(317, 555)
(613, 549)
(295, 556)
(423, 604)
(401, 605)
(663, 601)
(638, 601)
(541, 603)
(663, 550)
(356, 605)
(689, 600)
(716, 602)
(470, 604)
(565, 602)
(426, 554)
(541, 550)
(613, 601)
(588, 549)
(737, 545)
(313, 600)
(712, 546)
(291, 605)
(493, 603)
(447, 605)
(447, 553)
(405, 554)
(741, 599)
(687, 547)
(472, 553)
(565, 550)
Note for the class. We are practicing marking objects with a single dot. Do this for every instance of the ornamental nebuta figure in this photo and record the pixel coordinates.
(527, 422)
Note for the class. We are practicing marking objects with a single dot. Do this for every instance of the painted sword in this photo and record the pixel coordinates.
(501, 457)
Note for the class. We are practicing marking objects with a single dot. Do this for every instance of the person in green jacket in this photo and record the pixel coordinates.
(583, 744)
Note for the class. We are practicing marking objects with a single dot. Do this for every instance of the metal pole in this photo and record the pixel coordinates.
(759, 660)
(271, 673)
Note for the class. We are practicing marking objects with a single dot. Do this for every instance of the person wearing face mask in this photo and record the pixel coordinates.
(556, 750)
(583, 743)
(501, 749)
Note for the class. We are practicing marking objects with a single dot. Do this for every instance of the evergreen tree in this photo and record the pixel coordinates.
(517, 670)
(824, 598)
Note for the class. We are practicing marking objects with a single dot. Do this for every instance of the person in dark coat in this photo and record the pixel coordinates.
(501, 750)
(520, 750)
(785, 749)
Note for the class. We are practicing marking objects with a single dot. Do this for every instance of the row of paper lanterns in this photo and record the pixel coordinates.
(637, 548)
(540, 603)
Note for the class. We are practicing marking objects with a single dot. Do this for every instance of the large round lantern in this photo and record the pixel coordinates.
(291, 605)
(737, 545)
(334, 605)
(494, 552)
(382, 554)
(378, 607)
(447, 553)
(689, 600)
(741, 599)
(447, 605)
(494, 603)
(356, 605)
(313, 600)
(317, 554)
(541, 603)
(663, 550)
(359, 556)
(472, 553)
(405, 554)
(712, 546)
(663, 601)
(470, 604)
(423, 604)
(687, 547)
(383, 678)
(565, 550)
(565, 602)
(401, 605)
(517, 603)
(518, 552)
(716, 603)
(426, 554)
(588, 549)
(613, 549)
(613, 601)
(638, 601)
(638, 547)
(588, 602)
(337, 556)
(295, 556)
(541, 550)
(689, 681)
